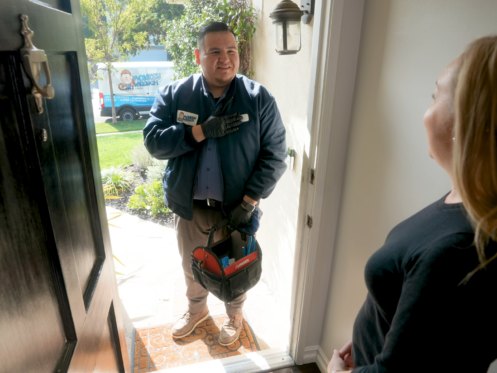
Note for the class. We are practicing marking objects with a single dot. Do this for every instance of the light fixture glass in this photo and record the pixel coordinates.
(293, 35)
(291, 31)
(286, 19)
(278, 34)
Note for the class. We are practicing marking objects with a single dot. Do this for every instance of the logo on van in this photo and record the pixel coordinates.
(129, 81)
(186, 118)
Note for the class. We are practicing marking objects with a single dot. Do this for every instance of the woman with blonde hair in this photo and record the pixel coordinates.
(432, 287)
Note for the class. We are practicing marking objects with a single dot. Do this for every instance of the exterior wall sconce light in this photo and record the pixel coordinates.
(286, 20)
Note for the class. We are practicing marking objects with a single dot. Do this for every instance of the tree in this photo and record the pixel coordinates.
(110, 22)
(153, 22)
(181, 39)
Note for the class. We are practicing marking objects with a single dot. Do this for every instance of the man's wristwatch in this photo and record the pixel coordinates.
(248, 206)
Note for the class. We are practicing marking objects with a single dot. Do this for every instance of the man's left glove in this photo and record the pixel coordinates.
(241, 215)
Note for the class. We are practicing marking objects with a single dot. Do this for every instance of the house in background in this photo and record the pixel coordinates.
(154, 54)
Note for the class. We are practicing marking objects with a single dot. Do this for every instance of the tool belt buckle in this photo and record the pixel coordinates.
(209, 203)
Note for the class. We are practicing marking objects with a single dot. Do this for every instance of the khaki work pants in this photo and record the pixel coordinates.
(191, 234)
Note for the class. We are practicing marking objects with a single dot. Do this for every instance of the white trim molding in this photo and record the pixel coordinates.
(310, 354)
(336, 40)
(322, 361)
(315, 354)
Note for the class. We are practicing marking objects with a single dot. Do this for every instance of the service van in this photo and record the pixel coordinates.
(134, 86)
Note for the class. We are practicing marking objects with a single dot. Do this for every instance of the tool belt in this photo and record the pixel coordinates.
(227, 281)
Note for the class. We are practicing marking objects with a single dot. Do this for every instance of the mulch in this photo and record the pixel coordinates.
(166, 220)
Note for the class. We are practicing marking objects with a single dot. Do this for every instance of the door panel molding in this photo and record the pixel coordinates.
(62, 164)
(91, 183)
(60, 5)
(114, 336)
(90, 336)
(32, 263)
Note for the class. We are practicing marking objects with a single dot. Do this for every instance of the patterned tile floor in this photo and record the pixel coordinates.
(155, 349)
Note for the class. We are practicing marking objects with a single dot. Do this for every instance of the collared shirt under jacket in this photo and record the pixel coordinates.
(252, 159)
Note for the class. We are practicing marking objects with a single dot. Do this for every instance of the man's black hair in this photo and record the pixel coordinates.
(212, 27)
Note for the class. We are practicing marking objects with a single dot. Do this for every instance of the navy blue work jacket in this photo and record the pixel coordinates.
(252, 159)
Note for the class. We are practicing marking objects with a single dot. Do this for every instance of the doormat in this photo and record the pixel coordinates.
(154, 348)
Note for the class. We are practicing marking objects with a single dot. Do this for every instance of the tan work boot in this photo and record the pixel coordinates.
(188, 322)
(231, 330)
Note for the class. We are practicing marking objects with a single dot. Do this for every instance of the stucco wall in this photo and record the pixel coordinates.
(405, 46)
(287, 78)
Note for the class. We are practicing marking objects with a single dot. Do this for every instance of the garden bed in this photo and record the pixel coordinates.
(165, 219)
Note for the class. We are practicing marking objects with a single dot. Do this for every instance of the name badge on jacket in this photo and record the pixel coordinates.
(186, 118)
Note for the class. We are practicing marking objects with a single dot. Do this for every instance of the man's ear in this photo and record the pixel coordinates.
(197, 56)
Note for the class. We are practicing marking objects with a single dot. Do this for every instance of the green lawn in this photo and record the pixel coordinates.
(114, 150)
(121, 126)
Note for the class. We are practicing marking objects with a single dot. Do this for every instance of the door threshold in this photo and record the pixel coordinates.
(260, 361)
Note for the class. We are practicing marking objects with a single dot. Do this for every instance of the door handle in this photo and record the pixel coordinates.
(33, 59)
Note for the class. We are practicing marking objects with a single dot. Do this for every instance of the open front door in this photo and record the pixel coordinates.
(59, 306)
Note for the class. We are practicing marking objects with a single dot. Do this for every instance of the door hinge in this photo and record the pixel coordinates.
(313, 175)
(309, 221)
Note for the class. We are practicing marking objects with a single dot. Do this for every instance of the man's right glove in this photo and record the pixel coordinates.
(215, 126)
(240, 215)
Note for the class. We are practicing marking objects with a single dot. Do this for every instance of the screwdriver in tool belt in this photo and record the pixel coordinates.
(246, 249)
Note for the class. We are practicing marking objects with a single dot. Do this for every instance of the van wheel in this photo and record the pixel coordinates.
(128, 114)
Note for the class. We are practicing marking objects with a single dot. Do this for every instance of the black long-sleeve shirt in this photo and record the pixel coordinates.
(416, 317)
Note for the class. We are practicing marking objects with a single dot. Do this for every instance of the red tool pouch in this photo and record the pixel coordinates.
(234, 280)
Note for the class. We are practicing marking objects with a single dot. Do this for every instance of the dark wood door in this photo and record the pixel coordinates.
(59, 306)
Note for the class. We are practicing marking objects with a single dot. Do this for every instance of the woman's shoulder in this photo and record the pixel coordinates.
(438, 232)
(434, 221)
(449, 252)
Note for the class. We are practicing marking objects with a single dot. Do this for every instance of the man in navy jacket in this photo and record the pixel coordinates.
(225, 143)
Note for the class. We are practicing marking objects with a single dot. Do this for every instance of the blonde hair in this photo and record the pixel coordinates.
(475, 145)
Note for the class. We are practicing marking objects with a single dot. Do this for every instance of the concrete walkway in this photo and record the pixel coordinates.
(151, 284)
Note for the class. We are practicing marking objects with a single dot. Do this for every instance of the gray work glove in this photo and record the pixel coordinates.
(239, 216)
(219, 126)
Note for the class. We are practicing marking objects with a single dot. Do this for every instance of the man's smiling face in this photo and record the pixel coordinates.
(218, 57)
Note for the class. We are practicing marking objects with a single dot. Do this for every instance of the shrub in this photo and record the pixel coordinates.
(116, 180)
(149, 197)
(156, 170)
(140, 156)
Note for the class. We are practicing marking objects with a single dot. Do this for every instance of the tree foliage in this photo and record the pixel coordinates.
(154, 21)
(181, 39)
(111, 23)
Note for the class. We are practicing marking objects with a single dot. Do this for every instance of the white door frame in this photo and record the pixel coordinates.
(336, 39)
